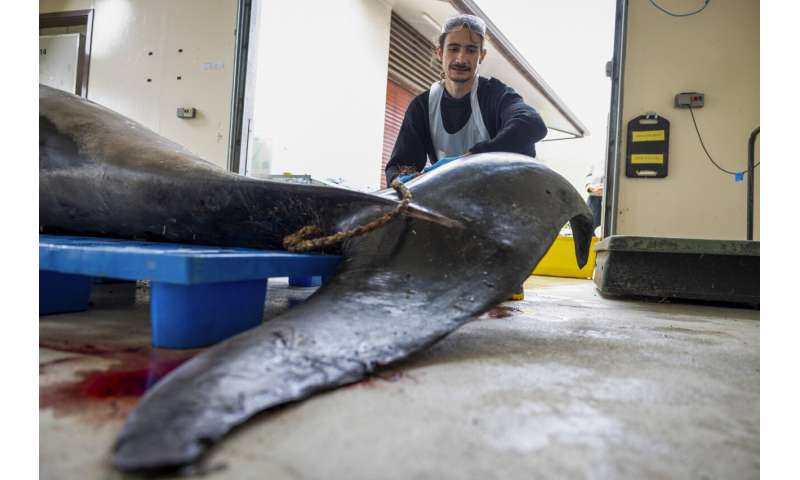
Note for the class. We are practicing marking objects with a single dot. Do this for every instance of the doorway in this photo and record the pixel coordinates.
(74, 22)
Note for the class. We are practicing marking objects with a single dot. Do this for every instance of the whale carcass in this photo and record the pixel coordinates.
(475, 230)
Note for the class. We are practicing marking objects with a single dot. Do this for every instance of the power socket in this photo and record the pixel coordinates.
(186, 112)
(690, 99)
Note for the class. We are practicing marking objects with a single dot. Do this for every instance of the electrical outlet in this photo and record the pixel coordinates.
(690, 99)
(186, 112)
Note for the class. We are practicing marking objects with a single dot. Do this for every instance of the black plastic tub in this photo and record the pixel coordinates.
(679, 268)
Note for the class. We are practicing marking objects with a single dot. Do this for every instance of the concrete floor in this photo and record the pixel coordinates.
(565, 384)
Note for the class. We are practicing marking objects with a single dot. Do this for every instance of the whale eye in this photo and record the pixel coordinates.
(547, 192)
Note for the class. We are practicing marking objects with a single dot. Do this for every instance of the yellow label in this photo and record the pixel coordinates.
(649, 136)
(647, 158)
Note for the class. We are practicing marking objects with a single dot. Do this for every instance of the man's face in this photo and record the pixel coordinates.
(461, 54)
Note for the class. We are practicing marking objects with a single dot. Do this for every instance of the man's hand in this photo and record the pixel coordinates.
(595, 189)
(440, 163)
(405, 178)
(407, 173)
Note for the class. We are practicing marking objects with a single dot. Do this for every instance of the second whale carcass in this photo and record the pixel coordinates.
(477, 228)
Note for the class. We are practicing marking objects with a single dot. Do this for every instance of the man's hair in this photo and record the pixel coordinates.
(471, 22)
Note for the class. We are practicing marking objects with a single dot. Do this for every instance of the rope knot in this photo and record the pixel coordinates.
(300, 240)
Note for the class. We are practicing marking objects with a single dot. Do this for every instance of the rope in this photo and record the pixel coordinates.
(299, 241)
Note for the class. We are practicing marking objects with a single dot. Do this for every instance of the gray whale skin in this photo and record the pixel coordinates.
(476, 229)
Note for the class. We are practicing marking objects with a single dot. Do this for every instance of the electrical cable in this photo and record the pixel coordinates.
(705, 4)
(700, 137)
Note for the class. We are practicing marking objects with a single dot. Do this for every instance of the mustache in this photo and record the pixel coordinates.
(460, 66)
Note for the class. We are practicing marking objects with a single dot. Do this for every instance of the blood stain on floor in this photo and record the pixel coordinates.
(500, 312)
(109, 393)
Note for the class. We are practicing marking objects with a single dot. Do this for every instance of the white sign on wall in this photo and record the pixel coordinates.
(58, 60)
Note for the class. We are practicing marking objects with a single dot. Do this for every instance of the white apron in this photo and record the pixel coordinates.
(474, 131)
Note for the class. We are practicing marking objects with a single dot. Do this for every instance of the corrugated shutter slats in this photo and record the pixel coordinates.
(397, 101)
(412, 70)
(411, 57)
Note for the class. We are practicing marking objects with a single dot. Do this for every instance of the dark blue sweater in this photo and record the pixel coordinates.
(513, 125)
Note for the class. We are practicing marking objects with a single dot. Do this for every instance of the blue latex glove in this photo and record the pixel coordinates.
(444, 161)
(441, 162)
(405, 178)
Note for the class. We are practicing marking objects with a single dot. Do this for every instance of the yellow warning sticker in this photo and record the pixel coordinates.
(650, 158)
(649, 136)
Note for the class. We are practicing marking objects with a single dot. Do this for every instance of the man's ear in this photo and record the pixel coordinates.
(439, 53)
(483, 54)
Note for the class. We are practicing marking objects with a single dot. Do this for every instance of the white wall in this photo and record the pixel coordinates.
(321, 90)
(568, 42)
(715, 52)
(125, 31)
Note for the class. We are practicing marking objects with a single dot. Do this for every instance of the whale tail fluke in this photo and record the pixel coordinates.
(582, 232)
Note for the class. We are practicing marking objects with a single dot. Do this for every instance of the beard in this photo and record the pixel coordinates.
(464, 75)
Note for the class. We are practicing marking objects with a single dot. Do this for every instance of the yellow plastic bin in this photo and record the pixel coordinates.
(560, 260)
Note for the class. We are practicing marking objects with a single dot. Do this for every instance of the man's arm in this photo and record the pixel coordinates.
(594, 183)
(409, 148)
(519, 126)
(589, 179)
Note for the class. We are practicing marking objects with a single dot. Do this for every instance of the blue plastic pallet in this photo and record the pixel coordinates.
(199, 295)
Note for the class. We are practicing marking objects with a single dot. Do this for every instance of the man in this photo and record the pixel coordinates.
(463, 113)
(594, 186)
